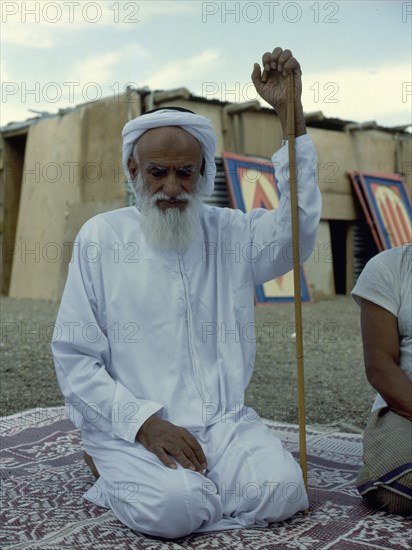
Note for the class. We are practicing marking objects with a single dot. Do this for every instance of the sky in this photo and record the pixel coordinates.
(355, 56)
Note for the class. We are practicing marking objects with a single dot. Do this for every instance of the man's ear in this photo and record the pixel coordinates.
(132, 166)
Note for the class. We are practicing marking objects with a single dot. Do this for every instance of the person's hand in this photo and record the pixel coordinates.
(279, 64)
(166, 440)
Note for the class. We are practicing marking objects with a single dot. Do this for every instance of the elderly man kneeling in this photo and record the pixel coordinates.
(159, 402)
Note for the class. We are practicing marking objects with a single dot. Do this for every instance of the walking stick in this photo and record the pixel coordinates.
(296, 277)
(296, 272)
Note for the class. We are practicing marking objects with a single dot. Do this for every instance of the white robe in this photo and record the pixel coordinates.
(142, 331)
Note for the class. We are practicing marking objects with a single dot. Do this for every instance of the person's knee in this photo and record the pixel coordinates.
(286, 495)
(278, 494)
(189, 505)
(174, 509)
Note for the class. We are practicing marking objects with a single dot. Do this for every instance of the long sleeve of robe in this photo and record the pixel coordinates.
(142, 331)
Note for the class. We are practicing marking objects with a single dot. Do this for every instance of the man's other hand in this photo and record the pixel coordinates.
(166, 440)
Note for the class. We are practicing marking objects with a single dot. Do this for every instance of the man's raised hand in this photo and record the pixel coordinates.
(278, 65)
(166, 440)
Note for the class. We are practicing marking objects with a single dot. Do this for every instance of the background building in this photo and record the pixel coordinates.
(57, 171)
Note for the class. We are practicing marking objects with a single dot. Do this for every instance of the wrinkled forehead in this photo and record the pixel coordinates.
(169, 142)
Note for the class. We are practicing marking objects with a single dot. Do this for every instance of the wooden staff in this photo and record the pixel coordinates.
(296, 271)
(296, 277)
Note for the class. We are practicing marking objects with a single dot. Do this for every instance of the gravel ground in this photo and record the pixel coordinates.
(337, 392)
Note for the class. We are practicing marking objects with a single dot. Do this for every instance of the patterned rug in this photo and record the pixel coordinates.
(44, 478)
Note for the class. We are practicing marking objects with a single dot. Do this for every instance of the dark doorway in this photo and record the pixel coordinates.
(338, 231)
(11, 174)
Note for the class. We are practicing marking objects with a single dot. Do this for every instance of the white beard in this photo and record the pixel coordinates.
(172, 228)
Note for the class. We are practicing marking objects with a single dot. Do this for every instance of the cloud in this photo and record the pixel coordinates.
(381, 93)
(28, 35)
(150, 9)
(98, 68)
(181, 71)
(361, 94)
(44, 24)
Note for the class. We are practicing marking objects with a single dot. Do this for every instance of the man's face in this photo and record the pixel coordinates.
(169, 161)
(166, 172)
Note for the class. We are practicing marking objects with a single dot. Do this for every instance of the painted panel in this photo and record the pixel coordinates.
(387, 207)
(252, 184)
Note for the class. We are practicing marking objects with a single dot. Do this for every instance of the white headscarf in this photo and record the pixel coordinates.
(196, 125)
